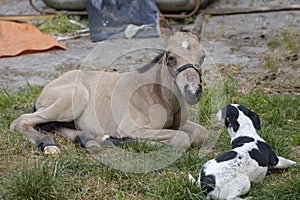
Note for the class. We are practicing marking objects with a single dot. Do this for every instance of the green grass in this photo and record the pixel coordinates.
(38, 182)
(285, 50)
(289, 39)
(61, 25)
(25, 173)
(273, 43)
(271, 62)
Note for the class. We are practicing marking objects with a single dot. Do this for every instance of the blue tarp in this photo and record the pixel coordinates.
(110, 18)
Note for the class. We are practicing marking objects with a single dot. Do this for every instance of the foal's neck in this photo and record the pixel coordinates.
(165, 84)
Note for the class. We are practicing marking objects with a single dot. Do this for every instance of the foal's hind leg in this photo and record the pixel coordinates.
(196, 132)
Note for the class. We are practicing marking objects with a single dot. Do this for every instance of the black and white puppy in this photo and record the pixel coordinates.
(229, 175)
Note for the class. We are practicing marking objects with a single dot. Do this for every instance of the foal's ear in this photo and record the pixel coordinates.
(164, 28)
(197, 28)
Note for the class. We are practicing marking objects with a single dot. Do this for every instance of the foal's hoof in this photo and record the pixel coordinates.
(94, 150)
(93, 147)
(51, 150)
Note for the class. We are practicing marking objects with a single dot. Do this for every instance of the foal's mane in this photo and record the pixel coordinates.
(152, 63)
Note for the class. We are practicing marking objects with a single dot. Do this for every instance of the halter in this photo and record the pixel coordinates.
(174, 73)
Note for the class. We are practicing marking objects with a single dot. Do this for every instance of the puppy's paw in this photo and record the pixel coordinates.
(191, 178)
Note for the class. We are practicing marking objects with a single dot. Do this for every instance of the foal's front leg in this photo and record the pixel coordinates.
(196, 133)
(177, 139)
(55, 104)
(25, 126)
(82, 138)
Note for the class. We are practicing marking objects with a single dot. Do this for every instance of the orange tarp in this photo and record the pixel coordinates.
(17, 38)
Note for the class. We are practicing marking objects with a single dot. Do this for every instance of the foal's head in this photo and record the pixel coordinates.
(184, 57)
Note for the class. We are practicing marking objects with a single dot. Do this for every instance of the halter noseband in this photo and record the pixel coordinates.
(174, 73)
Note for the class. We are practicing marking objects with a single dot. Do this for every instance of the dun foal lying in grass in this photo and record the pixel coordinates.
(147, 104)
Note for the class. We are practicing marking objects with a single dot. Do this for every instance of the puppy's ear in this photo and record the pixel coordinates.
(231, 117)
(255, 120)
(231, 120)
(252, 115)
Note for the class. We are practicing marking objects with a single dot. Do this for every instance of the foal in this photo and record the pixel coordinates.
(146, 104)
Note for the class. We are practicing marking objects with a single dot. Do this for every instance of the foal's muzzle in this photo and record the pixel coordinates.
(192, 93)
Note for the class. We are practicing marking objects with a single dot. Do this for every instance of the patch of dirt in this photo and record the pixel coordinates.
(239, 46)
(235, 44)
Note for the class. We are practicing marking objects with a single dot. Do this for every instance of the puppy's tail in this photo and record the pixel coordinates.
(283, 163)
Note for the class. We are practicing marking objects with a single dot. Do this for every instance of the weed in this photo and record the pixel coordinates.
(212, 99)
(271, 62)
(141, 147)
(27, 174)
(189, 20)
(273, 43)
(285, 51)
(38, 182)
(177, 186)
(60, 25)
(285, 188)
(289, 38)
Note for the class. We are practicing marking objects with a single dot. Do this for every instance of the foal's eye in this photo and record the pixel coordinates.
(172, 61)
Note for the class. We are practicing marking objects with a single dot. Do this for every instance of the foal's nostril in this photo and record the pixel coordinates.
(194, 89)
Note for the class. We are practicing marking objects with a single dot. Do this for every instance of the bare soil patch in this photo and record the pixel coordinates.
(235, 44)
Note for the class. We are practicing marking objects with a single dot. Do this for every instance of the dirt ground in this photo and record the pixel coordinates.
(235, 44)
